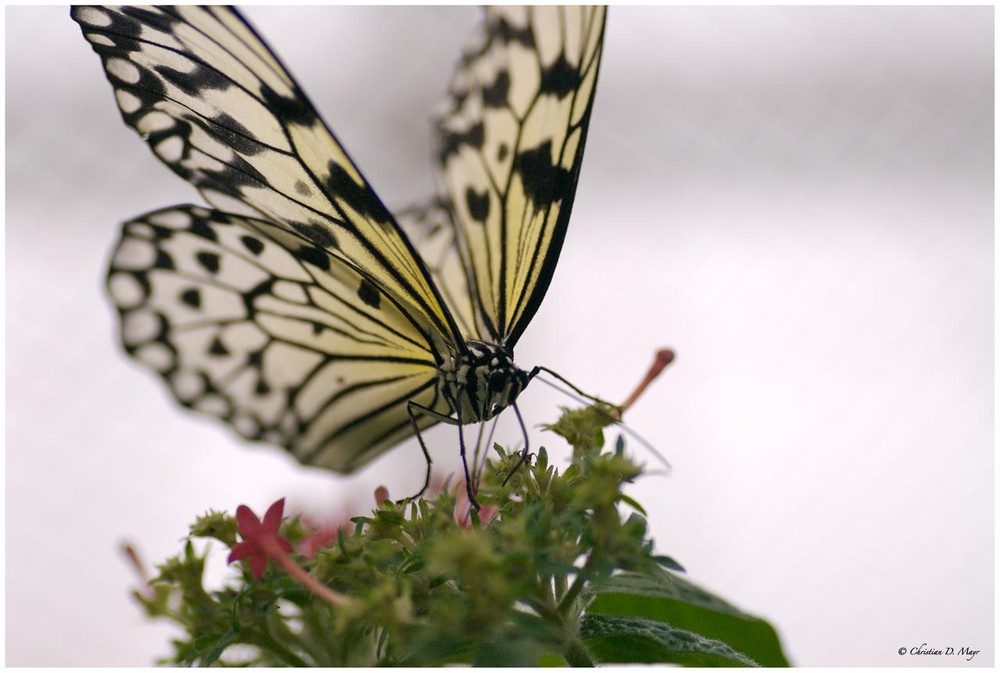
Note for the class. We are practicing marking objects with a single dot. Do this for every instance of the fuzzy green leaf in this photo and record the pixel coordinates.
(667, 598)
(634, 640)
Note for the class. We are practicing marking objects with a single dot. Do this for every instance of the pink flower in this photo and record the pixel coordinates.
(321, 536)
(260, 538)
(262, 542)
(463, 509)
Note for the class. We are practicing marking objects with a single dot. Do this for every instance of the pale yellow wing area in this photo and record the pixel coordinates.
(216, 105)
(259, 327)
(511, 145)
(430, 227)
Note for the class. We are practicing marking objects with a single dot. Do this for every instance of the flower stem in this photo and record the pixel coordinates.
(308, 581)
(566, 602)
(576, 655)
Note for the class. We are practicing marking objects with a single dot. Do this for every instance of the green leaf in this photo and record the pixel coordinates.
(668, 563)
(631, 502)
(520, 653)
(389, 517)
(635, 640)
(669, 599)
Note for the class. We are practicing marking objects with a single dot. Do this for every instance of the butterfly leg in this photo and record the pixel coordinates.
(524, 451)
(465, 463)
(482, 450)
(412, 408)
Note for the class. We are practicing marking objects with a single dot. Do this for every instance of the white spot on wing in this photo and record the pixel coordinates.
(126, 290)
(186, 385)
(93, 16)
(100, 40)
(135, 254)
(174, 219)
(127, 101)
(139, 326)
(246, 426)
(213, 404)
(170, 149)
(155, 121)
(157, 356)
(123, 70)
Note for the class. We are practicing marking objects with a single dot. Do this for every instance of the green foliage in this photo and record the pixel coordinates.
(557, 568)
(667, 598)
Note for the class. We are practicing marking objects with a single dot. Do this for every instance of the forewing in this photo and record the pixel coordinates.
(265, 330)
(511, 145)
(216, 105)
(431, 229)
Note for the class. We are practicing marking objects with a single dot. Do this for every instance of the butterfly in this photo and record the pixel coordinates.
(298, 309)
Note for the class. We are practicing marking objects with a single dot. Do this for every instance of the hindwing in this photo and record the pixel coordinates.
(269, 332)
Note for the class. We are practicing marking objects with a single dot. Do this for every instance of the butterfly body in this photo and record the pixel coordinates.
(298, 309)
(481, 382)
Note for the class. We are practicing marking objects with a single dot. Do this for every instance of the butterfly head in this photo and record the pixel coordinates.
(481, 382)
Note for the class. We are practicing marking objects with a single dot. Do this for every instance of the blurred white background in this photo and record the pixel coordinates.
(799, 200)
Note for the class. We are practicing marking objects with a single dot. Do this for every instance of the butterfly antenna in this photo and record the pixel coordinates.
(663, 357)
(586, 398)
(646, 444)
(572, 395)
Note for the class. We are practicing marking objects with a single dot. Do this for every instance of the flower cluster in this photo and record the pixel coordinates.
(555, 568)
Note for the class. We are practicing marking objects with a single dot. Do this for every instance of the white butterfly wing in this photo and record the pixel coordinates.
(308, 320)
(430, 227)
(219, 109)
(260, 327)
(511, 144)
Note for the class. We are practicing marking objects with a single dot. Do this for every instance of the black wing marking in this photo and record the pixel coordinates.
(266, 331)
(218, 108)
(511, 146)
